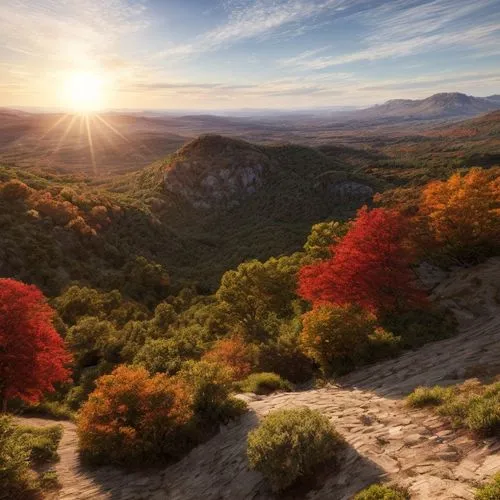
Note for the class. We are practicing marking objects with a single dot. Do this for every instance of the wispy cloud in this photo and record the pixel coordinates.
(403, 28)
(65, 30)
(259, 19)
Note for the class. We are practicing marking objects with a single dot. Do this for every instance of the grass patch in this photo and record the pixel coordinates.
(42, 442)
(429, 396)
(490, 491)
(15, 475)
(382, 492)
(23, 449)
(49, 480)
(472, 405)
(264, 383)
(53, 409)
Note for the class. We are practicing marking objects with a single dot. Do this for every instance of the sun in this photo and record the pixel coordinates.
(84, 92)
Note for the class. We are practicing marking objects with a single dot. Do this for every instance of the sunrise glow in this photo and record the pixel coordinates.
(83, 92)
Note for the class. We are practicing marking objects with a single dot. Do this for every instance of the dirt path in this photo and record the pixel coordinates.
(385, 439)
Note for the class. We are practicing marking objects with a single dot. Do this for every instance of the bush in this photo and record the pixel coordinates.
(382, 492)
(289, 444)
(14, 190)
(337, 337)
(382, 344)
(490, 491)
(234, 353)
(210, 385)
(264, 383)
(133, 416)
(461, 215)
(472, 405)
(41, 441)
(284, 355)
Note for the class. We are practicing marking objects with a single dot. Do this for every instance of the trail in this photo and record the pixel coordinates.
(386, 440)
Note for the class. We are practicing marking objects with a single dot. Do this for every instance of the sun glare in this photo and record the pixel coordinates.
(83, 92)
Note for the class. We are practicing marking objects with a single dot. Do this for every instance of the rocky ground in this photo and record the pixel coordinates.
(385, 439)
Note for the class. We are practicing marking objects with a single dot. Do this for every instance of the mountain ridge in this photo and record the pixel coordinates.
(440, 105)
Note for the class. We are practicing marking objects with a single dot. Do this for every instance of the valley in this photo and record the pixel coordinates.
(193, 275)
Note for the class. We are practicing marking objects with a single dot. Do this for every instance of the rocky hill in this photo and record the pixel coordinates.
(216, 172)
(232, 200)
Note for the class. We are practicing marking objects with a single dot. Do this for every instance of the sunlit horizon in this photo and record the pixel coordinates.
(231, 54)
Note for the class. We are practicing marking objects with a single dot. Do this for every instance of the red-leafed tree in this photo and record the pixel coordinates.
(370, 266)
(32, 354)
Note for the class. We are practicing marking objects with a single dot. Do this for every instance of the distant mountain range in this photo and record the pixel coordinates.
(443, 105)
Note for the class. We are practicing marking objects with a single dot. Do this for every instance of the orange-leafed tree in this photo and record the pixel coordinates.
(370, 266)
(336, 337)
(234, 353)
(462, 214)
(133, 416)
(32, 354)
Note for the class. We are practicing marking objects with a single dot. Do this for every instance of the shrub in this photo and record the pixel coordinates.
(133, 416)
(284, 355)
(461, 214)
(336, 337)
(264, 383)
(234, 353)
(382, 492)
(14, 190)
(490, 491)
(382, 344)
(167, 354)
(211, 385)
(289, 444)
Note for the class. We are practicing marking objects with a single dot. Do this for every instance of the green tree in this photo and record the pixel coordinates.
(323, 236)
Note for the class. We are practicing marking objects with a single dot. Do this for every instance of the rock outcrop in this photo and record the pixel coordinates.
(214, 171)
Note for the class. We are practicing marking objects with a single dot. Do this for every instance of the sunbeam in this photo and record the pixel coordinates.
(113, 129)
(91, 145)
(82, 127)
(65, 134)
(54, 125)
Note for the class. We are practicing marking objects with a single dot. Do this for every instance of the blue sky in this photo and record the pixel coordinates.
(218, 54)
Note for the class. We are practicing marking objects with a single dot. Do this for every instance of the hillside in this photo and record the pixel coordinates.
(97, 146)
(386, 440)
(233, 200)
(482, 127)
(212, 205)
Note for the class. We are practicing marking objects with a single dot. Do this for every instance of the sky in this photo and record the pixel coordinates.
(234, 54)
